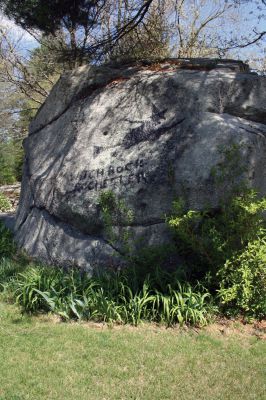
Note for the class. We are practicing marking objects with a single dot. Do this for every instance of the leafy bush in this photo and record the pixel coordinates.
(227, 250)
(243, 280)
(225, 247)
(5, 204)
(207, 239)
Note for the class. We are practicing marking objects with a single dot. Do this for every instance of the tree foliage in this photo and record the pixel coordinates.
(50, 15)
(25, 82)
(96, 30)
(82, 20)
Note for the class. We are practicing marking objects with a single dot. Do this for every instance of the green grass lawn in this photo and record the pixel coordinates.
(41, 358)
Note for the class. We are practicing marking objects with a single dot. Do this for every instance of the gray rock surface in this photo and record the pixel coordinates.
(148, 133)
(8, 219)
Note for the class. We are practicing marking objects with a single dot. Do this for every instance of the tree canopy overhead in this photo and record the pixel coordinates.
(80, 18)
(99, 29)
(50, 15)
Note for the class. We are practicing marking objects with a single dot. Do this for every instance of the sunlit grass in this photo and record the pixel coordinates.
(42, 358)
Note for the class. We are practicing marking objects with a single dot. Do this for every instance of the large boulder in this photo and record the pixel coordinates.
(147, 133)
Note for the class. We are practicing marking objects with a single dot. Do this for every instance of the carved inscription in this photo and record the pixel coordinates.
(130, 173)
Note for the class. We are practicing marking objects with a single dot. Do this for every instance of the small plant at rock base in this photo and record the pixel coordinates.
(116, 214)
(184, 305)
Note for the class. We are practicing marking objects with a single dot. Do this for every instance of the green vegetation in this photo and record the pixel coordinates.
(223, 270)
(5, 204)
(227, 251)
(112, 297)
(243, 281)
(44, 359)
(7, 246)
(208, 239)
(114, 213)
(225, 248)
(11, 159)
(24, 85)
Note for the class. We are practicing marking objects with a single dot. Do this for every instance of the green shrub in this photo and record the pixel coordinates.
(225, 247)
(226, 250)
(5, 204)
(30, 284)
(207, 239)
(243, 281)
